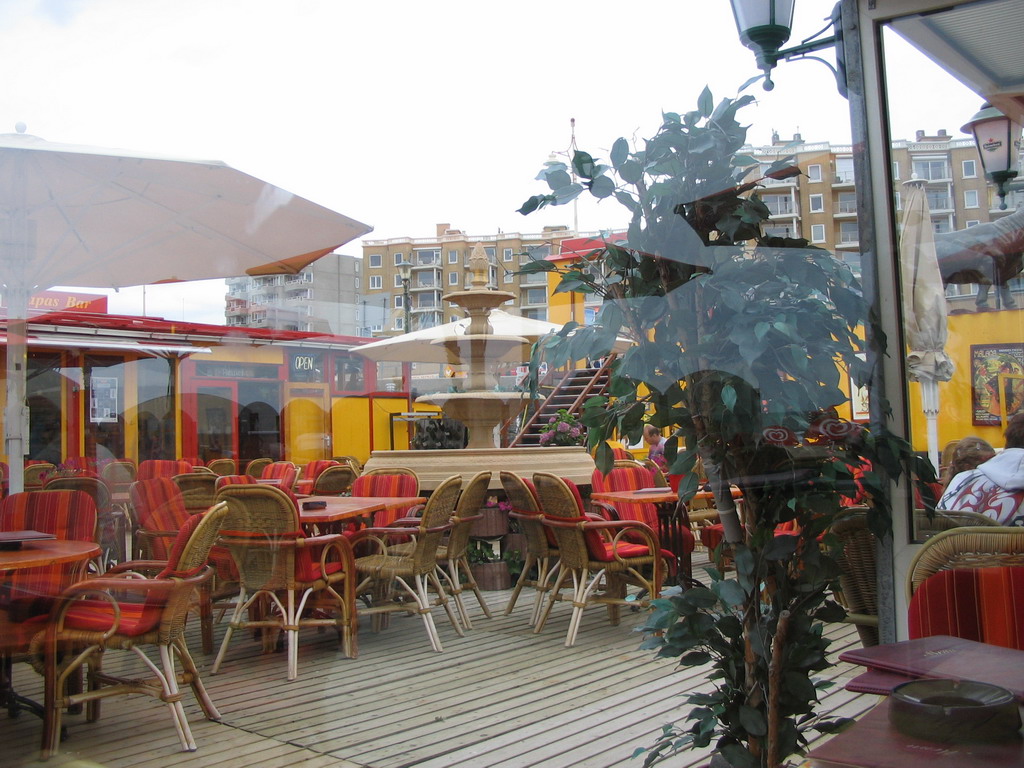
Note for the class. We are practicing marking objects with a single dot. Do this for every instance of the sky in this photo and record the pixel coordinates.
(400, 114)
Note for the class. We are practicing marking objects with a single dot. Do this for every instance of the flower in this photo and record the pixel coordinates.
(563, 429)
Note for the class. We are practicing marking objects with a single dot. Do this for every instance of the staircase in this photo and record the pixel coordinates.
(570, 393)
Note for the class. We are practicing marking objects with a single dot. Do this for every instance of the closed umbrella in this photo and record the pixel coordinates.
(103, 218)
(924, 304)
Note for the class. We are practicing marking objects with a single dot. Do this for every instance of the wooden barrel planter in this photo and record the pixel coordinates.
(492, 525)
(492, 577)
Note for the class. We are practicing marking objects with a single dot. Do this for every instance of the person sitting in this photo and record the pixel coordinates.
(655, 445)
(967, 455)
(994, 488)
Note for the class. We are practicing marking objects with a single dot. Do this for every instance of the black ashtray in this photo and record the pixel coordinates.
(954, 711)
(309, 506)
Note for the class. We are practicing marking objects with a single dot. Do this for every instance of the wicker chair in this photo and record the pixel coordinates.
(198, 489)
(281, 474)
(859, 573)
(160, 512)
(541, 549)
(35, 475)
(392, 481)
(334, 481)
(944, 519)
(223, 480)
(967, 582)
(315, 576)
(69, 515)
(632, 476)
(356, 464)
(391, 578)
(222, 466)
(583, 550)
(451, 556)
(255, 467)
(976, 547)
(120, 611)
(153, 468)
(309, 474)
(111, 522)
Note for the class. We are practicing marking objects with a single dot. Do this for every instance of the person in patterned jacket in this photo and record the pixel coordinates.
(996, 487)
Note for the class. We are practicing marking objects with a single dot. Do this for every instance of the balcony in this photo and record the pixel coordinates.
(842, 178)
(845, 208)
(425, 285)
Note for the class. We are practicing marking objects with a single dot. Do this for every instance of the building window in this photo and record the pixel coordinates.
(973, 223)
(970, 198)
(817, 233)
(970, 169)
(899, 201)
(536, 295)
(375, 260)
(376, 281)
(357, 283)
(939, 226)
(453, 257)
(817, 203)
(932, 169)
(453, 278)
(399, 323)
(506, 254)
(509, 277)
(896, 170)
(399, 258)
(814, 172)
(844, 170)
(490, 251)
(848, 232)
(453, 318)
(847, 202)
(398, 281)
(399, 301)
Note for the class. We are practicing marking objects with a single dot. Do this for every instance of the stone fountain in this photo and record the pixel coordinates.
(480, 406)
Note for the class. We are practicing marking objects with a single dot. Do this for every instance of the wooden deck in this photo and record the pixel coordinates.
(501, 696)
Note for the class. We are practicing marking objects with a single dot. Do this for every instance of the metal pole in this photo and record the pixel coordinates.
(407, 325)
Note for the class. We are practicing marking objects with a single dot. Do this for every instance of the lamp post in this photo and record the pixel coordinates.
(405, 271)
(764, 27)
(997, 138)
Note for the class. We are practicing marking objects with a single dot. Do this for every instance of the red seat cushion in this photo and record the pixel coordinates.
(981, 604)
(153, 468)
(98, 616)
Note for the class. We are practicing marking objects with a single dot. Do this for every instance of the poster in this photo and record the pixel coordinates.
(860, 401)
(990, 402)
(102, 400)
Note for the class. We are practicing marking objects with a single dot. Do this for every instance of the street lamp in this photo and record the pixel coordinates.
(405, 271)
(764, 27)
(997, 138)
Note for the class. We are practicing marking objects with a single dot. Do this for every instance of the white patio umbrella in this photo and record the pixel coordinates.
(417, 346)
(105, 218)
(924, 303)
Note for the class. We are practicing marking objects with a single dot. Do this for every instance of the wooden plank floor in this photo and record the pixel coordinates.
(500, 696)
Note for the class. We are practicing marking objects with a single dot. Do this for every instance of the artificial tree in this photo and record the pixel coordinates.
(743, 344)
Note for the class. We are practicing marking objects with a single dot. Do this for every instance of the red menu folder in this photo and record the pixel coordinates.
(937, 656)
(872, 742)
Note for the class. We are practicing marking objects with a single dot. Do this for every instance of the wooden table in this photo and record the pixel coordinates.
(344, 509)
(34, 554)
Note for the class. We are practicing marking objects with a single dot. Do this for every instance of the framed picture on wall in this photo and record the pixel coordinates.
(860, 401)
(997, 382)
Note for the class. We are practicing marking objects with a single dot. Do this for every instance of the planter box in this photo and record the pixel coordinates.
(491, 577)
(515, 542)
(492, 525)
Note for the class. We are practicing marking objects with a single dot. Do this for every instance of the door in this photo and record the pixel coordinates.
(307, 422)
(216, 425)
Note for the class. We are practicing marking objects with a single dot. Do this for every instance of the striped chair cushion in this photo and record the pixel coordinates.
(981, 604)
(367, 486)
(159, 506)
(234, 480)
(284, 472)
(68, 515)
(153, 468)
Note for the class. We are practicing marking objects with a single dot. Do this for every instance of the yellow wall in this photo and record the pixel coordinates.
(955, 408)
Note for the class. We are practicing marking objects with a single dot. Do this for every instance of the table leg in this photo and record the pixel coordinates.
(673, 519)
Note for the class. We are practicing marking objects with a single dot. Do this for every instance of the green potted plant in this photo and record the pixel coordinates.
(742, 345)
(489, 570)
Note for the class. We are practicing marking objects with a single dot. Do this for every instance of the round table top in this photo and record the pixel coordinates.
(35, 554)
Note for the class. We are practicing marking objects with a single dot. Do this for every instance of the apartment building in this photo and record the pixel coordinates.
(821, 203)
(323, 298)
(440, 265)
